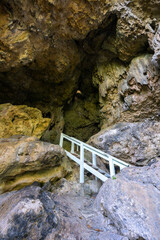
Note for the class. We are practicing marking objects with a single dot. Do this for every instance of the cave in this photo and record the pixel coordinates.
(71, 73)
(89, 69)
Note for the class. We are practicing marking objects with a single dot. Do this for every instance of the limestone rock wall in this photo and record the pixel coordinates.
(49, 48)
(128, 93)
(21, 120)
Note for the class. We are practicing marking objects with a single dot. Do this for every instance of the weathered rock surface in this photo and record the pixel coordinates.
(140, 90)
(125, 208)
(21, 120)
(33, 213)
(128, 93)
(38, 41)
(49, 50)
(136, 143)
(26, 214)
(24, 160)
(155, 45)
(132, 202)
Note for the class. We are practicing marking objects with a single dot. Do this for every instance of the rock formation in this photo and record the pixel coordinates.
(24, 160)
(82, 67)
(21, 120)
(133, 202)
(128, 93)
(34, 213)
(135, 143)
(126, 208)
(49, 50)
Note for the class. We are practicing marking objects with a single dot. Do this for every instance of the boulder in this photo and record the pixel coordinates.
(21, 120)
(125, 213)
(132, 202)
(136, 143)
(24, 160)
(33, 213)
(27, 214)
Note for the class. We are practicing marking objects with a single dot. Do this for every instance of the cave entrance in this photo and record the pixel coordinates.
(82, 115)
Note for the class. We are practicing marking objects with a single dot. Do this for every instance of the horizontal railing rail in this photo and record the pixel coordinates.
(95, 152)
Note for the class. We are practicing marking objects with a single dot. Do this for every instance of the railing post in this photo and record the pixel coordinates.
(72, 147)
(94, 159)
(77, 148)
(81, 163)
(111, 167)
(61, 140)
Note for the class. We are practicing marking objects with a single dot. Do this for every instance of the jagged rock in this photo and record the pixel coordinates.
(24, 160)
(125, 213)
(128, 93)
(107, 77)
(135, 143)
(28, 213)
(39, 53)
(49, 49)
(21, 120)
(33, 213)
(132, 202)
(140, 90)
(155, 45)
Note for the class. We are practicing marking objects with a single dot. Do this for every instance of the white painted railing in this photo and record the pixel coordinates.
(81, 147)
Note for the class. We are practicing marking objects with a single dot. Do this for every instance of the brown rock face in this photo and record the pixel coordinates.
(50, 49)
(24, 160)
(38, 46)
(35, 213)
(140, 90)
(21, 120)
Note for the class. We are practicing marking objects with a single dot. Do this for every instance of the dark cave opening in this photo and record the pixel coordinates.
(82, 114)
(77, 114)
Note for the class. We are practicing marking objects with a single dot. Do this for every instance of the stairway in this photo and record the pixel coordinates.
(79, 157)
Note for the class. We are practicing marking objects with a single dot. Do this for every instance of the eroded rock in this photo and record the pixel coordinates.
(81, 117)
(133, 202)
(128, 93)
(28, 213)
(140, 90)
(135, 143)
(24, 160)
(49, 48)
(21, 120)
(155, 45)
(33, 213)
(125, 208)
